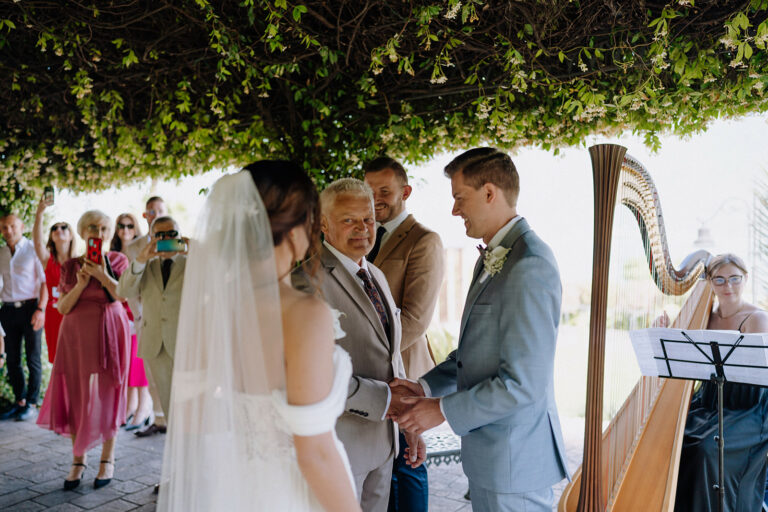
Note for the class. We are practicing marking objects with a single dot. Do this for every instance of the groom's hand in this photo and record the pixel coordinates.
(424, 414)
(416, 452)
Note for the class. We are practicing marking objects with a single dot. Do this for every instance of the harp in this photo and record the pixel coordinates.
(633, 464)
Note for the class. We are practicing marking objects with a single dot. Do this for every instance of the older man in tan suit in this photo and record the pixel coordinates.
(411, 257)
(158, 278)
(154, 208)
(371, 322)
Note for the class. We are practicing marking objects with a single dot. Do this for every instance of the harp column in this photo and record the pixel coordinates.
(606, 170)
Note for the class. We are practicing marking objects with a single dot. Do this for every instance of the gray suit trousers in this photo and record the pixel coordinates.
(484, 500)
(374, 487)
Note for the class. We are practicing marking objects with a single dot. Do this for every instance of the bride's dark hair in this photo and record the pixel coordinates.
(290, 198)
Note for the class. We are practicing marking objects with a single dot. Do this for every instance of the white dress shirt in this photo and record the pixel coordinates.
(391, 226)
(22, 273)
(353, 268)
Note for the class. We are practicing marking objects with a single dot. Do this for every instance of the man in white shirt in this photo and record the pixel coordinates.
(24, 297)
(371, 323)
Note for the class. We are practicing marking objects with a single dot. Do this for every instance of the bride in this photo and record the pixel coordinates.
(258, 381)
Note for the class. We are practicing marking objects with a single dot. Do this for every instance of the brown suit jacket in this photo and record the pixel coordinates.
(412, 261)
(370, 441)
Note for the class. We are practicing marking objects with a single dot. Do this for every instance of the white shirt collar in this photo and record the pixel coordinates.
(348, 263)
(500, 234)
(393, 224)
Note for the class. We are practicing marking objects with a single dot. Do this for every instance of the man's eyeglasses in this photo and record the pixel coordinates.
(720, 281)
(166, 235)
(57, 227)
(120, 225)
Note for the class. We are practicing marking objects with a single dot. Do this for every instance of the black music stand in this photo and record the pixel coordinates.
(681, 357)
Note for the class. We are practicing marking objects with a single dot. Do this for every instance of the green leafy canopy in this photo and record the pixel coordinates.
(103, 93)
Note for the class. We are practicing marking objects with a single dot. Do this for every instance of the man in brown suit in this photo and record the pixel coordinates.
(411, 257)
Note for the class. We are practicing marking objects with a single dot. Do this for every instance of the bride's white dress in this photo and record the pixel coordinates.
(269, 423)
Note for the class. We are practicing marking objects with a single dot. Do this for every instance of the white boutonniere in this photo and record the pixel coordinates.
(338, 332)
(494, 261)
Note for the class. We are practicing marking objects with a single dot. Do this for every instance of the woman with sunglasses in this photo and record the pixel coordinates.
(139, 405)
(52, 255)
(745, 413)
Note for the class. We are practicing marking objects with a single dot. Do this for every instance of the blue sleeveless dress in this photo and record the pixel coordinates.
(745, 422)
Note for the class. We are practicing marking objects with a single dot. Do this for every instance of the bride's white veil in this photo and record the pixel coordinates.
(229, 342)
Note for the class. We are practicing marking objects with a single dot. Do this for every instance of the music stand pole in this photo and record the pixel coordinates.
(719, 379)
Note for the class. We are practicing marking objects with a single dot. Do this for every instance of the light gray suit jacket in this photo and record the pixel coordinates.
(497, 387)
(376, 360)
(161, 305)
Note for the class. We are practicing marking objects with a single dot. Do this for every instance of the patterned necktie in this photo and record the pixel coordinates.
(373, 294)
(165, 270)
(377, 245)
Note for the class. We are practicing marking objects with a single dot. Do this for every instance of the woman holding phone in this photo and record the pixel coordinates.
(87, 392)
(52, 254)
(139, 405)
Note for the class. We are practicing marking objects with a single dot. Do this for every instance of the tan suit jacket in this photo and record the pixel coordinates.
(412, 261)
(369, 441)
(161, 305)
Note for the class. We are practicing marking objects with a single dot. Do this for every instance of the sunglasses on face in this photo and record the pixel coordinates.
(120, 225)
(720, 281)
(165, 235)
(57, 227)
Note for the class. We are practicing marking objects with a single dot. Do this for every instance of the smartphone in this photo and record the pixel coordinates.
(172, 245)
(94, 250)
(48, 195)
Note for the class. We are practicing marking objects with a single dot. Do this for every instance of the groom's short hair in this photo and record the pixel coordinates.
(351, 186)
(487, 165)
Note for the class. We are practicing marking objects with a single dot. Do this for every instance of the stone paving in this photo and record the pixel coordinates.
(34, 462)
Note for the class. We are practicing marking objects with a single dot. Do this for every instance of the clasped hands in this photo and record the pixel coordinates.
(414, 412)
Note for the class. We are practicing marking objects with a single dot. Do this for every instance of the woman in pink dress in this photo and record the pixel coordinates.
(87, 392)
(52, 255)
(139, 405)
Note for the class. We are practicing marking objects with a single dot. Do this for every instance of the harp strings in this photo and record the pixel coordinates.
(634, 302)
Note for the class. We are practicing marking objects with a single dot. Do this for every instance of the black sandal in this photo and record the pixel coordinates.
(72, 484)
(98, 483)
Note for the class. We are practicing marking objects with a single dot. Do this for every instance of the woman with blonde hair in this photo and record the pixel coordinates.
(745, 413)
(87, 391)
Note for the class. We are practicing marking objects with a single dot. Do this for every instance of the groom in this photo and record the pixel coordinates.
(496, 389)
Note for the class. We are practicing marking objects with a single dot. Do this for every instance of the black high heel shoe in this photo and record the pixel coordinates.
(72, 484)
(98, 483)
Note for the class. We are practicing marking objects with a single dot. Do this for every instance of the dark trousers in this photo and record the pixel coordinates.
(17, 323)
(410, 487)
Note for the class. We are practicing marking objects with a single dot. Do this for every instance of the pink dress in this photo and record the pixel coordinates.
(137, 377)
(87, 392)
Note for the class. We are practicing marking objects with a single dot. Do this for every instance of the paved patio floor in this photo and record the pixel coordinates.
(33, 463)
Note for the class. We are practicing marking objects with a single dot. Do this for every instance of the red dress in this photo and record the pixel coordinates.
(87, 392)
(52, 316)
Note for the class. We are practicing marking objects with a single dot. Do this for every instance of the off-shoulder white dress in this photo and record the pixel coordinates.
(271, 423)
